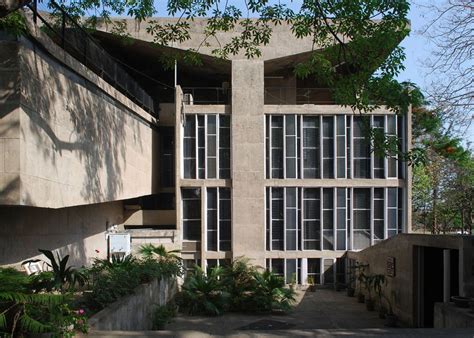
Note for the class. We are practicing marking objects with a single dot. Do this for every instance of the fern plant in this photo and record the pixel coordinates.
(23, 311)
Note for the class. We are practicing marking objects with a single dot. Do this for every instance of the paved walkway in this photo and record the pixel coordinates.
(324, 313)
(323, 309)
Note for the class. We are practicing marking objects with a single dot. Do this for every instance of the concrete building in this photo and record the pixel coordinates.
(233, 158)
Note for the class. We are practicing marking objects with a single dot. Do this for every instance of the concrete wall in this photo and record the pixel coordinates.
(66, 137)
(134, 312)
(77, 231)
(248, 152)
(447, 315)
(403, 286)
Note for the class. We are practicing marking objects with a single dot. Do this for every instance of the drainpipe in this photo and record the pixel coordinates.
(446, 275)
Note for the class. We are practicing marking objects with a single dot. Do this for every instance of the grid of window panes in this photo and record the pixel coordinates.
(218, 219)
(191, 204)
(330, 146)
(331, 218)
(308, 270)
(206, 146)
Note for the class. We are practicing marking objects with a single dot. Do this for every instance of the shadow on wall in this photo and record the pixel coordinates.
(74, 121)
(77, 231)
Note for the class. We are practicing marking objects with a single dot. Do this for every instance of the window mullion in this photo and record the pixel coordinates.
(385, 212)
(321, 220)
(334, 217)
(196, 146)
(372, 145)
(284, 146)
(334, 142)
(218, 174)
(321, 174)
(270, 208)
(300, 150)
(372, 195)
(352, 150)
(284, 219)
(218, 200)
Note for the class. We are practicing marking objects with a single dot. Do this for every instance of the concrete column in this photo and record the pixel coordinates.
(446, 275)
(248, 161)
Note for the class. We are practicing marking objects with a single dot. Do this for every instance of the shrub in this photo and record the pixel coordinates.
(111, 280)
(23, 310)
(163, 315)
(238, 287)
(204, 293)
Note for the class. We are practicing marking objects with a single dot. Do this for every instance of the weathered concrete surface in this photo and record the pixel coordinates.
(75, 231)
(447, 315)
(134, 312)
(402, 247)
(247, 162)
(66, 137)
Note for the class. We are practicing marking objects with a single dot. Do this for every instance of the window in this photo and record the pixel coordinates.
(361, 218)
(361, 149)
(392, 158)
(311, 219)
(328, 271)
(311, 154)
(167, 157)
(218, 219)
(341, 146)
(206, 146)
(328, 147)
(341, 215)
(191, 214)
(328, 219)
(379, 161)
(392, 212)
(314, 269)
(379, 215)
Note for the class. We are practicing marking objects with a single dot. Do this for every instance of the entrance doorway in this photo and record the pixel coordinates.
(430, 268)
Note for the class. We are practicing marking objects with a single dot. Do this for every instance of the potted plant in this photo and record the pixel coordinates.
(310, 281)
(369, 301)
(377, 283)
(390, 317)
(360, 269)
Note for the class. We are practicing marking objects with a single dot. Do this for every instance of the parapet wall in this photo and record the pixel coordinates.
(66, 136)
(134, 312)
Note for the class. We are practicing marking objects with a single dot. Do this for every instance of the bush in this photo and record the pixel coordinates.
(24, 309)
(111, 280)
(238, 287)
(163, 315)
(204, 293)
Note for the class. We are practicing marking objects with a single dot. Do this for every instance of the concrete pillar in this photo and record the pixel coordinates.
(248, 161)
(446, 275)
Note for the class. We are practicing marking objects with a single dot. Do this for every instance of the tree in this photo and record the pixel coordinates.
(355, 42)
(451, 30)
(443, 182)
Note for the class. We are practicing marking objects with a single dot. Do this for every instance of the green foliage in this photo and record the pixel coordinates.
(163, 315)
(14, 23)
(61, 276)
(204, 293)
(237, 287)
(24, 311)
(111, 280)
(443, 182)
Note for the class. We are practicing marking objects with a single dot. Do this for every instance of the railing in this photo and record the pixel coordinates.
(68, 34)
(206, 95)
(294, 95)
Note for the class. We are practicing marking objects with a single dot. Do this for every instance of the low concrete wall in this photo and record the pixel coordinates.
(135, 311)
(447, 315)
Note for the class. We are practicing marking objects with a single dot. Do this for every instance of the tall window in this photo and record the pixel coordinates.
(191, 214)
(361, 218)
(361, 148)
(206, 146)
(218, 219)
